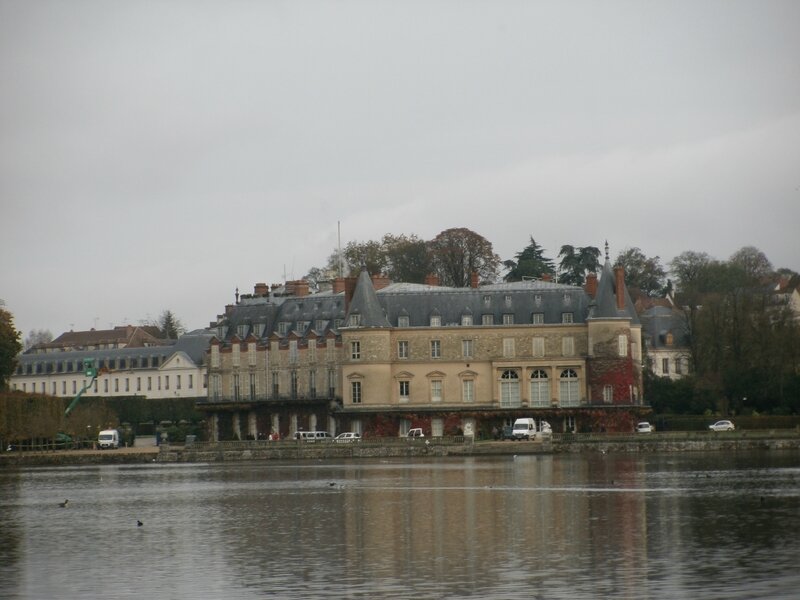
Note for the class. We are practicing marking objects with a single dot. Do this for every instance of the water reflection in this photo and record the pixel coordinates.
(613, 526)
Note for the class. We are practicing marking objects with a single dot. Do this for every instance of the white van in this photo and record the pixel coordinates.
(524, 429)
(313, 436)
(108, 438)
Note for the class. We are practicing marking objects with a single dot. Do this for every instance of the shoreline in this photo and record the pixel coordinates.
(205, 452)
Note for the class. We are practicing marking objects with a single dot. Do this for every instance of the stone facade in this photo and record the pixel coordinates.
(383, 358)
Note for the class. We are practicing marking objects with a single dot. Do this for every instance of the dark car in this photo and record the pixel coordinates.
(506, 433)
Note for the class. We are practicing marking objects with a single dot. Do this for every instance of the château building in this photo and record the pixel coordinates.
(380, 358)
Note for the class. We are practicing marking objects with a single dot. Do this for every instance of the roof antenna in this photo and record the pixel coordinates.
(606, 249)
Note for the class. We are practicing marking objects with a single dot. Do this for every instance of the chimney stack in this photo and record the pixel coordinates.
(301, 288)
(619, 278)
(591, 284)
(547, 277)
(473, 280)
(380, 281)
(432, 279)
(338, 285)
(260, 289)
(349, 290)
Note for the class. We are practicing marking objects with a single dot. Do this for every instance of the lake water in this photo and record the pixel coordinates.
(699, 525)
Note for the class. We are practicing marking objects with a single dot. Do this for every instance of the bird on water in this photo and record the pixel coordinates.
(64, 503)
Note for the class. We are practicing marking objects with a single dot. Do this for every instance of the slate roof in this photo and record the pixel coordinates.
(194, 345)
(658, 321)
(418, 302)
(606, 298)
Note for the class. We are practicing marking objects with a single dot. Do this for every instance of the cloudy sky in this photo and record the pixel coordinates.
(158, 154)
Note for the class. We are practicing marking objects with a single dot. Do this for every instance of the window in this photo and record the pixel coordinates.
(466, 348)
(540, 389)
(402, 349)
(75, 387)
(509, 389)
(283, 328)
(128, 383)
(436, 348)
(566, 317)
(241, 330)
(214, 356)
(487, 319)
(191, 381)
(236, 387)
(105, 386)
(166, 382)
(301, 327)
(568, 388)
(276, 385)
(405, 390)
(116, 384)
(567, 299)
(537, 318)
(665, 366)
(312, 383)
(508, 319)
(331, 382)
(508, 347)
(293, 380)
(214, 387)
(402, 321)
(436, 321)
(538, 347)
(507, 300)
(292, 351)
(355, 320)
(235, 354)
(466, 320)
(337, 323)
(149, 383)
(139, 384)
(320, 325)
(355, 392)
(251, 354)
(437, 427)
(330, 350)
(487, 301)
(568, 346)
(622, 342)
(436, 390)
(468, 390)
(355, 350)
(678, 366)
(608, 394)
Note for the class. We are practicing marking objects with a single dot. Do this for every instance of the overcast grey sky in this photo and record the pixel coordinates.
(156, 155)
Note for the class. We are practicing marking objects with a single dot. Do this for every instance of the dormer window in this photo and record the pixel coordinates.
(567, 300)
(507, 300)
(566, 317)
(402, 321)
(537, 299)
(436, 321)
(241, 330)
(283, 327)
(466, 320)
(487, 301)
(508, 319)
(487, 319)
(537, 318)
(301, 326)
(355, 320)
(258, 329)
(320, 325)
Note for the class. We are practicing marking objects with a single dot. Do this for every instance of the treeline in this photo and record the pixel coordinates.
(38, 420)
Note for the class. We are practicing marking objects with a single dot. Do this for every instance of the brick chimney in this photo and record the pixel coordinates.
(431, 279)
(338, 285)
(591, 284)
(547, 277)
(473, 280)
(301, 288)
(260, 289)
(349, 290)
(619, 280)
(380, 281)
(228, 309)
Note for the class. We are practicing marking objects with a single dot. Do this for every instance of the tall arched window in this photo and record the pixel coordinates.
(509, 389)
(540, 389)
(569, 388)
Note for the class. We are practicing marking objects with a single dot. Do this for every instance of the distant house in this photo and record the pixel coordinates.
(666, 339)
(124, 336)
(130, 363)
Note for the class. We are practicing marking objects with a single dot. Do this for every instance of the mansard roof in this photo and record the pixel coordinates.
(659, 321)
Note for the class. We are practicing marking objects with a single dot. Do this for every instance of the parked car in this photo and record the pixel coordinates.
(507, 433)
(645, 427)
(416, 433)
(313, 436)
(722, 426)
(347, 437)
